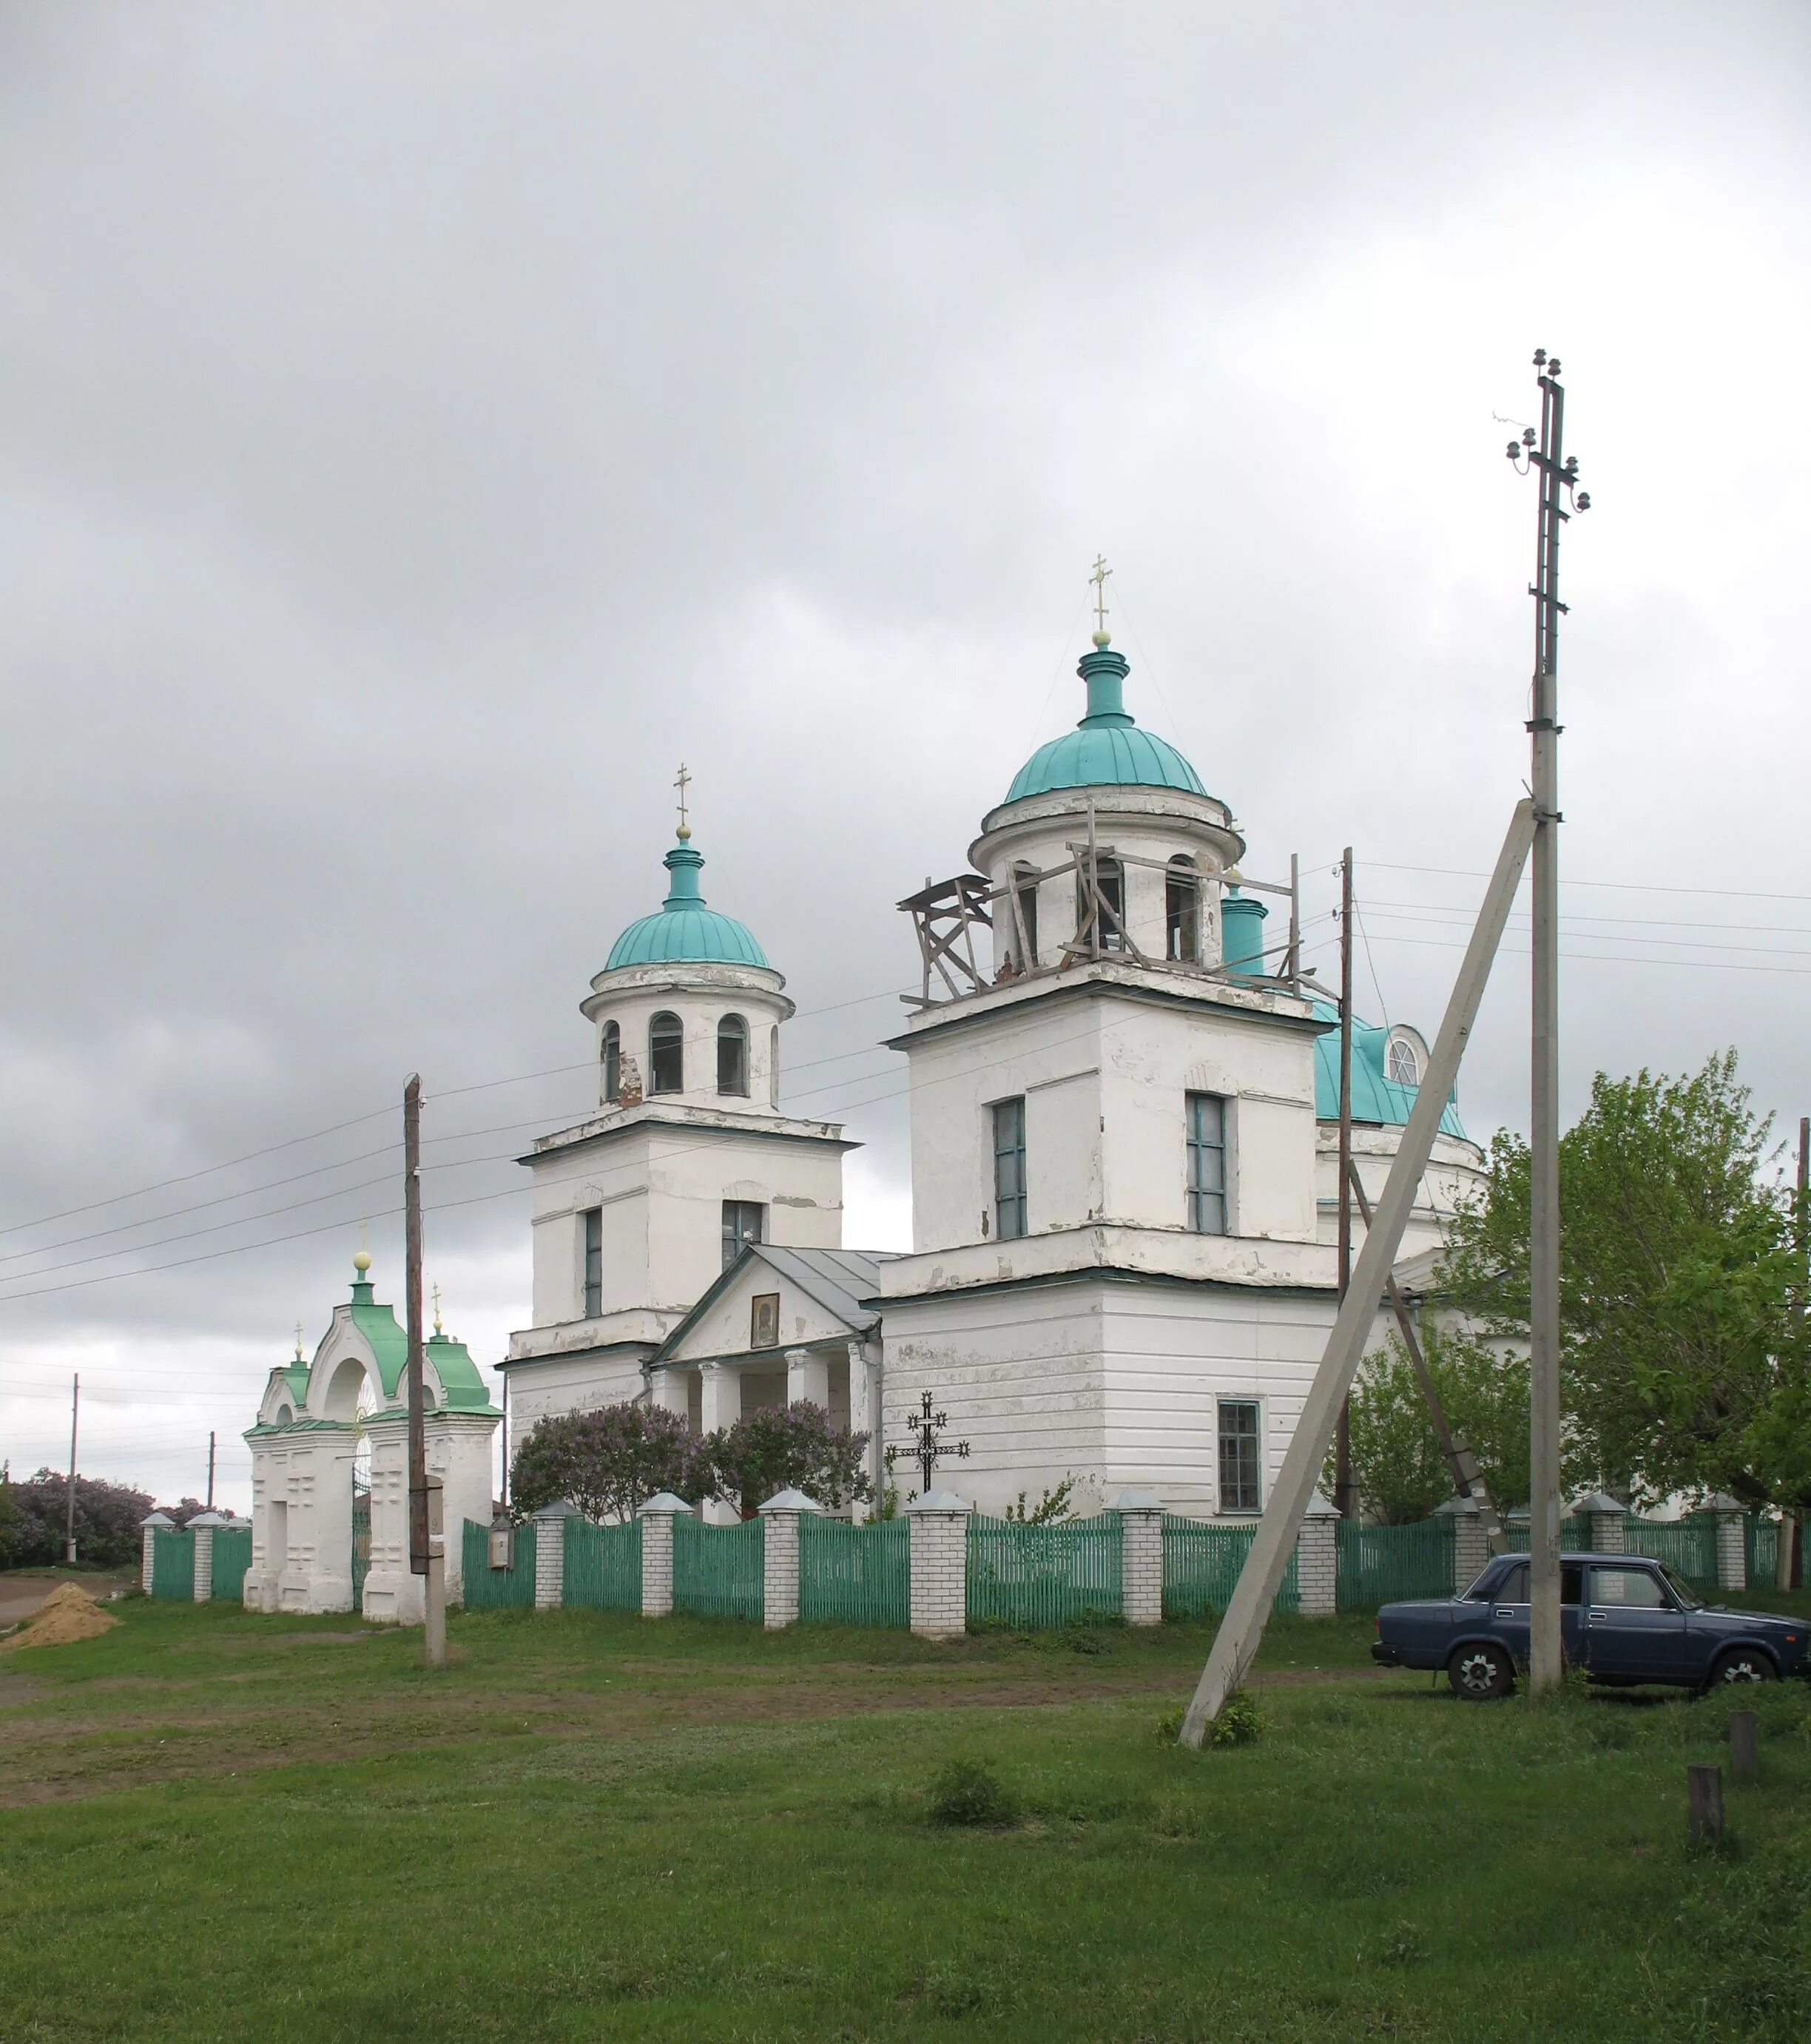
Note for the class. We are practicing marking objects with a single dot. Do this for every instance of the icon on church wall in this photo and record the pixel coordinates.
(764, 1321)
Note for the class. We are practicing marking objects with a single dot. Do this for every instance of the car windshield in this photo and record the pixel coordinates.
(1689, 1598)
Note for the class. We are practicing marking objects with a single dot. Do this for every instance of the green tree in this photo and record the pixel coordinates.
(1682, 1367)
(609, 1462)
(1401, 1474)
(787, 1448)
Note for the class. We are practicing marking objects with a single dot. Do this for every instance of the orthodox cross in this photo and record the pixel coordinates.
(298, 1341)
(436, 1309)
(1099, 579)
(929, 1442)
(683, 783)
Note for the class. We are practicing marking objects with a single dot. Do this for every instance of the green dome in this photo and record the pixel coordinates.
(1106, 749)
(685, 931)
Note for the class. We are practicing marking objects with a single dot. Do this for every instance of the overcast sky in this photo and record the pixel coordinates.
(422, 427)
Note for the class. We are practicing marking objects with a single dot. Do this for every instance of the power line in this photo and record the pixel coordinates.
(1630, 887)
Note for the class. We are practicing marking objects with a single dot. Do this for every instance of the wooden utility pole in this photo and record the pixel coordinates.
(1344, 1495)
(1557, 478)
(1242, 1630)
(69, 1527)
(421, 1540)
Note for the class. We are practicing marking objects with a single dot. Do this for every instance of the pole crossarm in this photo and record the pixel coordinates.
(1241, 1631)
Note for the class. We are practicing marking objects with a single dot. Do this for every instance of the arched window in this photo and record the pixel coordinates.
(774, 1065)
(613, 1063)
(1404, 1067)
(666, 1053)
(733, 1055)
(1182, 911)
(1110, 932)
(1024, 893)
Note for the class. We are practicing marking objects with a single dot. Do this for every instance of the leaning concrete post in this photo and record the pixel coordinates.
(1606, 1520)
(657, 1516)
(779, 1557)
(1732, 1543)
(1140, 1556)
(1470, 1549)
(940, 1565)
(1318, 1558)
(202, 1528)
(147, 1534)
(549, 1554)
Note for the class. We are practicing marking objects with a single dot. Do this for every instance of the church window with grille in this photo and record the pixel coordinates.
(1241, 1488)
(1009, 1209)
(742, 1224)
(594, 1219)
(1404, 1067)
(1206, 1124)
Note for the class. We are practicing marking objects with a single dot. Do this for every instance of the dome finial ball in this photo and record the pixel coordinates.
(361, 1262)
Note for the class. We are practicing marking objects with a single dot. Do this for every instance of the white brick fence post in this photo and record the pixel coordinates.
(657, 1516)
(549, 1554)
(1318, 1558)
(1732, 1543)
(1608, 1533)
(940, 1565)
(148, 1533)
(779, 1556)
(1140, 1556)
(202, 1528)
(1471, 1551)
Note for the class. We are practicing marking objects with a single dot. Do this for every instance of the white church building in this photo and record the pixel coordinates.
(1124, 1109)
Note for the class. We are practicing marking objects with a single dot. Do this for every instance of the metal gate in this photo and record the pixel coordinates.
(361, 1546)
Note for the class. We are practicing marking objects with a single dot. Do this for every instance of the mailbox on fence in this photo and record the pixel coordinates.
(502, 1542)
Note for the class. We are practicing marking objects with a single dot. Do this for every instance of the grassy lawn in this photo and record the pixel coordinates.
(213, 1825)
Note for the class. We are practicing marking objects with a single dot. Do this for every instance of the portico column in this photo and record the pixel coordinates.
(721, 1403)
(807, 1378)
(864, 1418)
(667, 1391)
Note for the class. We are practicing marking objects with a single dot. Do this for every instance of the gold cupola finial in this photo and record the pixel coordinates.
(683, 783)
(1102, 636)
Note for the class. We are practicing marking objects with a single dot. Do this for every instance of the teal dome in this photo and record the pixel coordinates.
(685, 931)
(1106, 749)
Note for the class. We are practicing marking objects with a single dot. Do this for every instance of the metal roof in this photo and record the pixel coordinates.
(838, 1279)
(1377, 1101)
(683, 931)
(1106, 749)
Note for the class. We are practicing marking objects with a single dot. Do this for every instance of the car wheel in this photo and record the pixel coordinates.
(1480, 1674)
(1743, 1665)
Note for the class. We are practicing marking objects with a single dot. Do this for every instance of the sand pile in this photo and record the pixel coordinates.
(67, 1614)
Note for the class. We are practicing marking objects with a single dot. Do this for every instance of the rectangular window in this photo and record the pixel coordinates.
(1025, 892)
(1206, 1121)
(593, 1220)
(742, 1222)
(1009, 1169)
(1241, 1488)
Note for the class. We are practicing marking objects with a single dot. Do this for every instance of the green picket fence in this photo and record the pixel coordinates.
(1760, 1539)
(855, 1575)
(1574, 1534)
(603, 1565)
(1033, 1576)
(232, 1557)
(1688, 1547)
(1201, 1560)
(1386, 1564)
(717, 1569)
(487, 1588)
(173, 1564)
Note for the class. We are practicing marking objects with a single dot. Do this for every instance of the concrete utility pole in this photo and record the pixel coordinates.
(1791, 1523)
(69, 1528)
(210, 1469)
(1557, 478)
(422, 1559)
(1344, 1492)
(1241, 1630)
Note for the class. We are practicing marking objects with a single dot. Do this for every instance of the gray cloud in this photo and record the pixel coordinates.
(419, 429)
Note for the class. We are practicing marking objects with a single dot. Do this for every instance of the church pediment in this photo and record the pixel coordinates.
(772, 1299)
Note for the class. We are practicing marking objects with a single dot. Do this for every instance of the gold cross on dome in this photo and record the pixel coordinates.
(683, 783)
(1099, 579)
(436, 1309)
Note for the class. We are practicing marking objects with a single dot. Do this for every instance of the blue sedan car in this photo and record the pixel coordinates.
(1624, 1619)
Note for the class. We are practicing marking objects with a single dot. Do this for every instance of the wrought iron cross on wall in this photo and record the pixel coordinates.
(929, 1443)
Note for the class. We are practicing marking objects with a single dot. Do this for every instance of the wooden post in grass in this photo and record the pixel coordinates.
(1704, 1804)
(1745, 1746)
